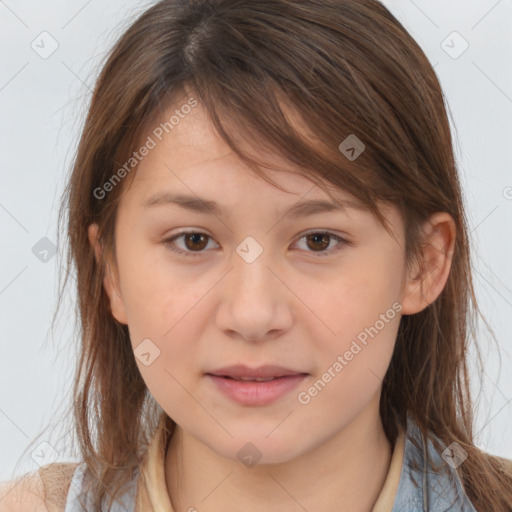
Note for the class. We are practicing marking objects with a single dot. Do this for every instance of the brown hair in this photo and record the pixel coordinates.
(344, 67)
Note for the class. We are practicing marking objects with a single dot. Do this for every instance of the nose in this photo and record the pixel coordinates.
(255, 304)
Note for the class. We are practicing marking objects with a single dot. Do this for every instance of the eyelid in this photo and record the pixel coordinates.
(169, 242)
(342, 241)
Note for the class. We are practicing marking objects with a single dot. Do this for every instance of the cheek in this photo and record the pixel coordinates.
(155, 294)
(169, 386)
(361, 308)
(174, 367)
(353, 368)
(354, 297)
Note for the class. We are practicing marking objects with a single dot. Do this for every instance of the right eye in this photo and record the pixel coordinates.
(195, 242)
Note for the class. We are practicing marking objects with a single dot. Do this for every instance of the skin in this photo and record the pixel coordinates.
(293, 306)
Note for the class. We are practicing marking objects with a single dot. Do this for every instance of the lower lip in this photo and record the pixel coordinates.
(257, 392)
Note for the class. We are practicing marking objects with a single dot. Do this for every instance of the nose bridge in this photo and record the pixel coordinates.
(253, 282)
(253, 303)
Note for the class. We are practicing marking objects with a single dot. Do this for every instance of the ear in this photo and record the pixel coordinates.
(427, 280)
(110, 280)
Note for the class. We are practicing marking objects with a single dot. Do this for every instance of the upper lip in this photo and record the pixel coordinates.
(262, 372)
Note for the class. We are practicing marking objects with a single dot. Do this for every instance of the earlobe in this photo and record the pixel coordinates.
(428, 279)
(109, 282)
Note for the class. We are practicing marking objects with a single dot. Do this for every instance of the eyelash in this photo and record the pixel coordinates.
(169, 242)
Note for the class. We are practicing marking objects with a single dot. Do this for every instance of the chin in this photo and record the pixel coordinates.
(253, 449)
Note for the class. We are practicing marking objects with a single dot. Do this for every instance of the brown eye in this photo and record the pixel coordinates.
(318, 241)
(195, 241)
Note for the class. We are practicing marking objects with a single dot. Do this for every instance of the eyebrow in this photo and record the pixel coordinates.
(208, 206)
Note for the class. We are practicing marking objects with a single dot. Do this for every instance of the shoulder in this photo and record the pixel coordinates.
(23, 494)
(43, 490)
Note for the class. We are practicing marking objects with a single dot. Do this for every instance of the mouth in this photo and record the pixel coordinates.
(250, 379)
(262, 373)
(257, 386)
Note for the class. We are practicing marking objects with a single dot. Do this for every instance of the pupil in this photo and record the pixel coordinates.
(193, 237)
(325, 238)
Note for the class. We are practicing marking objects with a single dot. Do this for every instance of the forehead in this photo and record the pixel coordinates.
(190, 137)
(190, 154)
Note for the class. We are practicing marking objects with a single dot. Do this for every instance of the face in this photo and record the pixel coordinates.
(316, 294)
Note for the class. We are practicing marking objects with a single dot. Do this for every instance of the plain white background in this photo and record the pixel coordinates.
(42, 104)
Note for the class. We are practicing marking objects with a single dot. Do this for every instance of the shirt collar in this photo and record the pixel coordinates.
(428, 485)
(411, 484)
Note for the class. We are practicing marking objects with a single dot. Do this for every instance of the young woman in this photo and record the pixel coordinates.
(273, 273)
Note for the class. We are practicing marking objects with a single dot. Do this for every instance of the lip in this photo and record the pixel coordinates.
(263, 372)
(252, 392)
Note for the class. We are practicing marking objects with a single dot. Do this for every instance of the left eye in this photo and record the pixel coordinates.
(196, 241)
(322, 240)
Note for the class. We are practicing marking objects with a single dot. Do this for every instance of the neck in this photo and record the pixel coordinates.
(344, 474)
